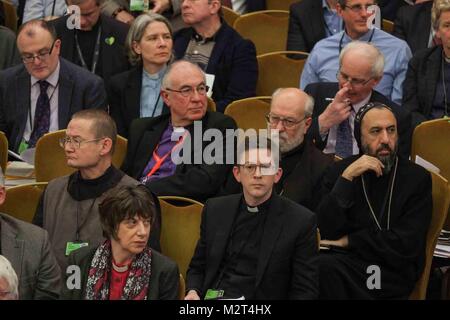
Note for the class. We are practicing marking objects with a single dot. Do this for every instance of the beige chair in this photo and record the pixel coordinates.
(21, 201)
(387, 26)
(3, 151)
(10, 15)
(279, 70)
(50, 160)
(279, 4)
(181, 288)
(431, 141)
(441, 200)
(229, 15)
(249, 113)
(267, 29)
(211, 106)
(180, 229)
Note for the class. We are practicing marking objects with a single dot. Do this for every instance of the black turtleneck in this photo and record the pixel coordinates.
(87, 40)
(288, 162)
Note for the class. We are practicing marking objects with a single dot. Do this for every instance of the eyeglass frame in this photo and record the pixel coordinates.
(261, 166)
(66, 140)
(283, 121)
(357, 8)
(188, 91)
(351, 80)
(41, 56)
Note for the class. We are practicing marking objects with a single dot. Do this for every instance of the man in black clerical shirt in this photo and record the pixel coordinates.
(255, 245)
(98, 45)
(374, 215)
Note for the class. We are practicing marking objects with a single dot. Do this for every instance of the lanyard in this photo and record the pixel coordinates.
(159, 160)
(342, 39)
(96, 51)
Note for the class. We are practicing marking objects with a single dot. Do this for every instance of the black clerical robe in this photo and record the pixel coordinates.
(398, 251)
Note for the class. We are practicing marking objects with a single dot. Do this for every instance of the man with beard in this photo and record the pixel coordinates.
(361, 68)
(374, 216)
(302, 163)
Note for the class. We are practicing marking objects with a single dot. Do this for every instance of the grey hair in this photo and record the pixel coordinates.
(370, 51)
(7, 272)
(309, 104)
(439, 7)
(137, 31)
(166, 80)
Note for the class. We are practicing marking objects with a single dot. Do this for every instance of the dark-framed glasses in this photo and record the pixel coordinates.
(42, 55)
(75, 142)
(287, 122)
(201, 89)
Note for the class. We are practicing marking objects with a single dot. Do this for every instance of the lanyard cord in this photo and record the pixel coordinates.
(342, 39)
(96, 51)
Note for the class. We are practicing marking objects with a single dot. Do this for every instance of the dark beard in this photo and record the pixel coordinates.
(387, 161)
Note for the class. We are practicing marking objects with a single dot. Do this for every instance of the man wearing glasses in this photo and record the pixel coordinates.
(68, 208)
(153, 141)
(255, 244)
(323, 62)
(361, 68)
(40, 95)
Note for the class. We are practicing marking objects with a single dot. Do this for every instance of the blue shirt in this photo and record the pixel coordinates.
(333, 22)
(322, 64)
(151, 102)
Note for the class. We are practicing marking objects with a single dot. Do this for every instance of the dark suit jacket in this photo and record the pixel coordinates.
(323, 90)
(28, 249)
(256, 5)
(196, 181)
(285, 267)
(124, 97)
(232, 61)
(413, 24)
(112, 57)
(420, 83)
(78, 89)
(163, 284)
(306, 25)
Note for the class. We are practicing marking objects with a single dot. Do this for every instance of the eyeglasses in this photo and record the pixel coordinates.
(357, 8)
(287, 123)
(353, 82)
(75, 142)
(201, 89)
(29, 58)
(250, 168)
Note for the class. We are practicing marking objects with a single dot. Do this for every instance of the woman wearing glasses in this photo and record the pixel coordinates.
(124, 267)
(135, 93)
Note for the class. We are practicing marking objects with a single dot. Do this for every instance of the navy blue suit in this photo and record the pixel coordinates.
(232, 61)
(78, 89)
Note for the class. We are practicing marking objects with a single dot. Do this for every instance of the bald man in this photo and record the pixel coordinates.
(302, 163)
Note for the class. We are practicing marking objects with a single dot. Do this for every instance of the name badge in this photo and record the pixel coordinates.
(214, 294)
(73, 246)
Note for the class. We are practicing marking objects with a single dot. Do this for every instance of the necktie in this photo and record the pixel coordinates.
(41, 115)
(344, 139)
(227, 3)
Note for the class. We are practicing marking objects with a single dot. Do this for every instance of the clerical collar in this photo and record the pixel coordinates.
(155, 76)
(261, 208)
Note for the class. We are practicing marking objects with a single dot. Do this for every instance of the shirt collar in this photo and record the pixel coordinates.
(155, 76)
(52, 78)
(326, 7)
(365, 37)
(359, 105)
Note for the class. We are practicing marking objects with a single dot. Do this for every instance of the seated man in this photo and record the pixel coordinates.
(360, 70)
(40, 95)
(311, 21)
(150, 144)
(28, 249)
(256, 244)
(9, 284)
(99, 44)
(68, 209)
(219, 50)
(9, 56)
(323, 63)
(44, 9)
(374, 215)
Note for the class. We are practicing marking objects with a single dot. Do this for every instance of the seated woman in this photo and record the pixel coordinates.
(135, 93)
(124, 267)
(426, 90)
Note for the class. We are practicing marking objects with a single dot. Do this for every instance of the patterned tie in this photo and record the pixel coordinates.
(41, 115)
(344, 139)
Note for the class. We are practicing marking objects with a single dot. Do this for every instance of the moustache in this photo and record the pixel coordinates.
(384, 147)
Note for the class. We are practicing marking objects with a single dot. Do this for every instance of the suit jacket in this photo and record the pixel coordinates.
(112, 56)
(323, 90)
(124, 96)
(78, 89)
(413, 24)
(306, 25)
(197, 181)
(163, 283)
(28, 249)
(9, 56)
(232, 61)
(285, 267)
(419, 88)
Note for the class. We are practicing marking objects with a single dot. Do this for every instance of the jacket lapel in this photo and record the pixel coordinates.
(431, 78)
(12, 248)
(133, 94)
(66, 85)
(218, 49)
(23, 91)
